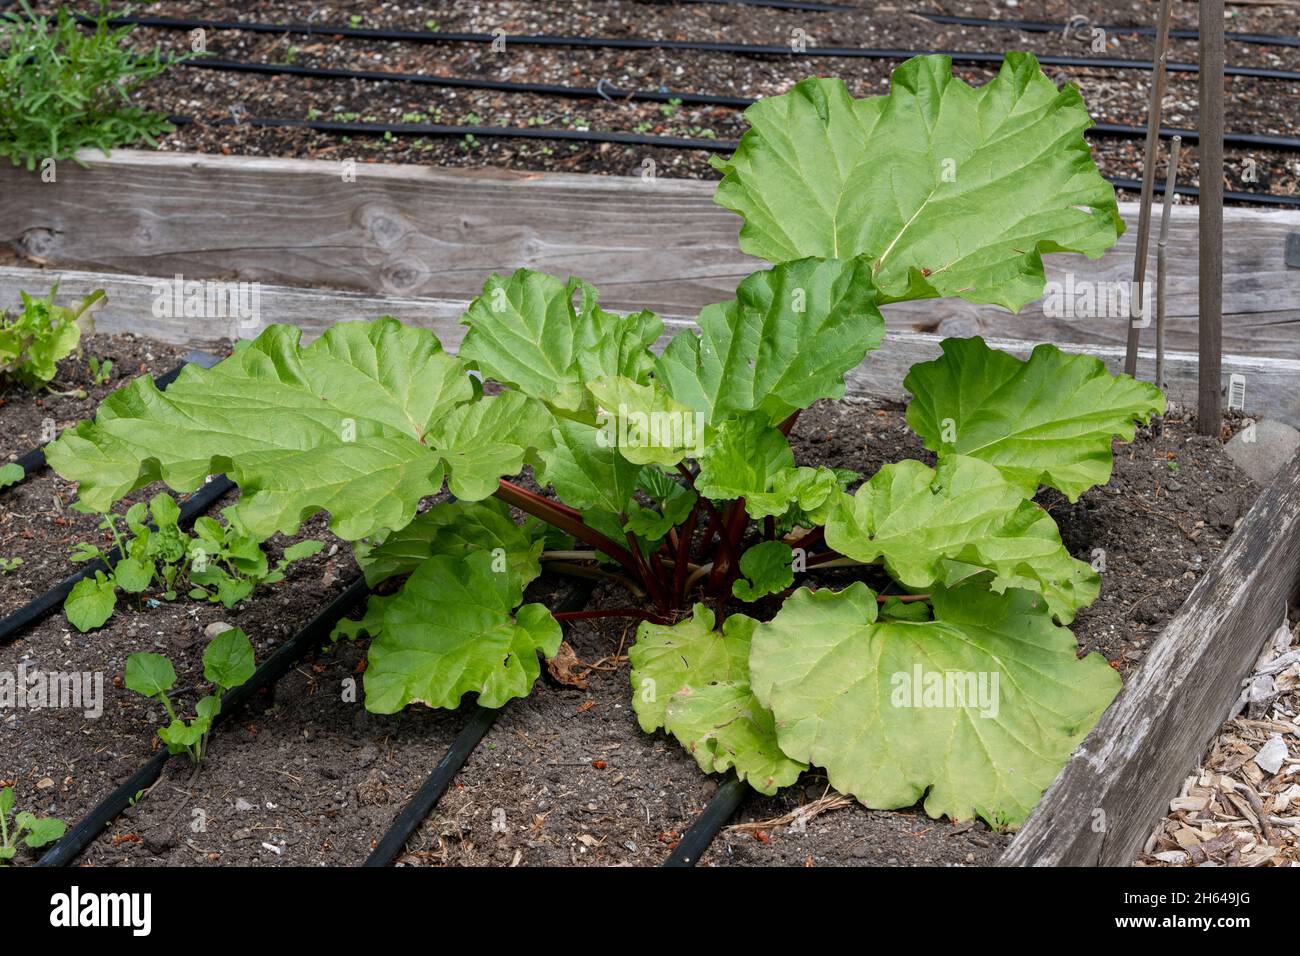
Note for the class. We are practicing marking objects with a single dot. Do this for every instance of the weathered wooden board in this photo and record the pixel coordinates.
(1272, 385)
(438, 233)
(1119, 782)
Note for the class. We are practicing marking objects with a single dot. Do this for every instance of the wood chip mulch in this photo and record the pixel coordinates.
(1241, 807)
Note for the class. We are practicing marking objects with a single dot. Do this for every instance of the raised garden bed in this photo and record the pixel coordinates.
(299, 772)
(318, 780)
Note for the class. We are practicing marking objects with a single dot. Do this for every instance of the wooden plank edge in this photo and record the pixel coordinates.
(150, 161)
(1272, 385)
(1101, 808)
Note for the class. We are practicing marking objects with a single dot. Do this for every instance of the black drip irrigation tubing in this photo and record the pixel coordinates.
(34, 460)
(34, 610)
(276, 666)
(1038, 26)
(614, 95)
(598, 136)
(1229, 195)
(426, 798)
(600, 91)
(649, 43)
(706, 826)
(1267, 141)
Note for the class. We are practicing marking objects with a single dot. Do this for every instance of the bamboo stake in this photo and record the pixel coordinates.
(1154, 108)
(1209, 411)
(1171, 182)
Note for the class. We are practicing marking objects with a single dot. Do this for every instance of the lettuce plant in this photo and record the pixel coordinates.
(944, 671)
(35, 340)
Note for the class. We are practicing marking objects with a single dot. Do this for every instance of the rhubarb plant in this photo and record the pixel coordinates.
(943, 671)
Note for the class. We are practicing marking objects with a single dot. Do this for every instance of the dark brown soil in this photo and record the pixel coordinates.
(36, 523)
(1119, 96)
(564, 776)
(23, 418)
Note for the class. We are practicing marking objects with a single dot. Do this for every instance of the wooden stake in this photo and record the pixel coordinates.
(1209, 412)
(1171, 182)
(1154, 108)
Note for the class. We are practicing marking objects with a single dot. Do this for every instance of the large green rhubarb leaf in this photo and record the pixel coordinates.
(784, 342)
(976, 710)
(525, 331)
(693, 681)
(483, 441)
(583, 465)
(456, 529)
(746, 456)
(921, 520)
(450, 631)
(948, 190)
(1049, 420)
(647, 425)
(340, 425)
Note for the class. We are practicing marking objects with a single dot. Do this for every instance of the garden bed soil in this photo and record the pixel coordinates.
(564, 776)
(1117, 96)
(36, 523)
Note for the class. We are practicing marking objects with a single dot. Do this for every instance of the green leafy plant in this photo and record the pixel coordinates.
(32, 830)
(10, 564)
(67, 88)
(101, 371)
(222, 562)
(11, 473)
(33, 342)
(227, 663)
(670, 473)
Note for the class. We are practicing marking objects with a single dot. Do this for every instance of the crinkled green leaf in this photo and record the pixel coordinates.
(483, 441)
(842, 687)
(667, 658)
(919, 519)
(723, 726)
(768, 568)
(90, 602)
(457, 529)
(746, 457)
(646, 424)
(525, 331)
(338, 425)
(228, 659)
(1048, 420)
(809, 490)
(584, 467)
(693, 681)
(11, 473)
(653, 526)
(450, 631)
(948, 190)
(149, 674)
(784, 342)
